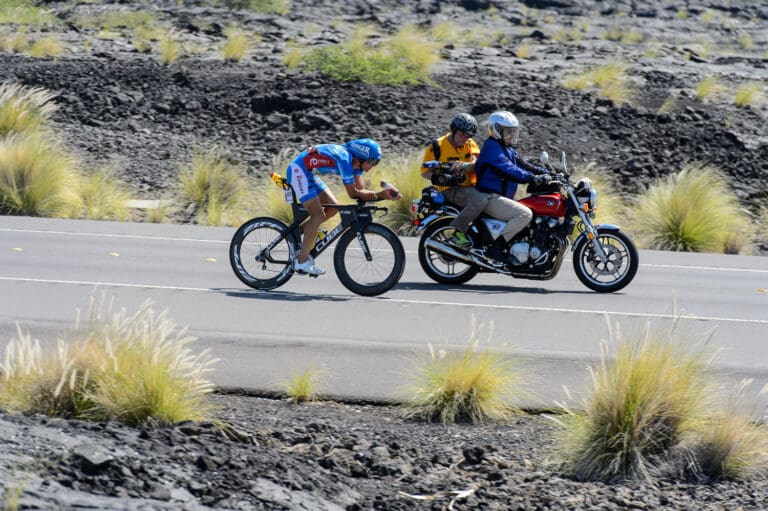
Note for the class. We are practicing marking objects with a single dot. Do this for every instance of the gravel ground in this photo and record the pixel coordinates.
(321, 456)
(123, 108)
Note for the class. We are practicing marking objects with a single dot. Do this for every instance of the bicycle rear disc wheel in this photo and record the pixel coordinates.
(380, 273)
(254, 264)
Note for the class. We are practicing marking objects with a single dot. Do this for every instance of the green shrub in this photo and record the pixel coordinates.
(113, 19)
(266, 6)
(24, 12)
(640, 405)
(217, 187)
(405, 58)
(24, 109)
(693, 211)
(37, 178)
(46, 47)
(473, 385)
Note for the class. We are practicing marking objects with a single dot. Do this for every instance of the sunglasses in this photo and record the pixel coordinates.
(372, 162)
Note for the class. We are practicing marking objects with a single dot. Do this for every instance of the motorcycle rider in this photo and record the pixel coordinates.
(499, 169)
(458, 146)
(349, 161)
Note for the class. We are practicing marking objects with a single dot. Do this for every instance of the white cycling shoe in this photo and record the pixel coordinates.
(307, 268)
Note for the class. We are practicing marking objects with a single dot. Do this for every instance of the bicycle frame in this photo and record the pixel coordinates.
(353, 216)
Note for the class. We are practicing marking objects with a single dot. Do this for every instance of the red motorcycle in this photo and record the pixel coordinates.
(604, 258)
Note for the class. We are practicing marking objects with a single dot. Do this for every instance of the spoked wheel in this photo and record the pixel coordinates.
(375, 273)
(619, 267)
(441, 267)
(257, 264)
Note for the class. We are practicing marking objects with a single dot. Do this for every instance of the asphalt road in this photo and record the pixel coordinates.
(366, 346)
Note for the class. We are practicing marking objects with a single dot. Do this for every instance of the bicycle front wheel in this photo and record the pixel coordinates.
(257, 259)
(372, 265)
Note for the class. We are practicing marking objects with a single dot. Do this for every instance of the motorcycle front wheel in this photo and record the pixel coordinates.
(440, 267)
(254, 263)
(369, 276)
(619, 267)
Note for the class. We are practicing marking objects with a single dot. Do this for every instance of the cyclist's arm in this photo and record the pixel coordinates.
(357, 190)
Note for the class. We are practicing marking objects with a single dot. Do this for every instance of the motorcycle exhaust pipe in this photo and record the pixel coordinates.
(461, 256)
(447, 250)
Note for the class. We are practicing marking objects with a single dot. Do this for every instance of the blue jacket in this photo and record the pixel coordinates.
(499, 169)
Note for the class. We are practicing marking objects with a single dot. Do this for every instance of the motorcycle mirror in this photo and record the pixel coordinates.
(562, 162)
(544, 157)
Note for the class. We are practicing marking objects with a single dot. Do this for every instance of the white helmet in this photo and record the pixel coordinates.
(499, 120)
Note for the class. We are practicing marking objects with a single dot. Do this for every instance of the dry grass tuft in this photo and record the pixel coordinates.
(46, 47)
(24, 109)
(405, 174)
(37, 178)
(135, 369)
(473, 385)
(104, 197)
(693, 211)
(303, 386)
(610, 81)
(731, 445)
(709, 88)
(217, 187)
(641, 404)
(749, 94)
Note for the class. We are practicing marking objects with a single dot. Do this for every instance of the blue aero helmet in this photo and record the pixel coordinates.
(364, 149)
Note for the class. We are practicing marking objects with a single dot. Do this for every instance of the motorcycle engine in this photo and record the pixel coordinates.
(534, 248)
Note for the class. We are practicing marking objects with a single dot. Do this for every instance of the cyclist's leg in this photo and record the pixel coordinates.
(305, 187)
(327, 197)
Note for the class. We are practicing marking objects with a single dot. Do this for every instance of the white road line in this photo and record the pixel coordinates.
(412, 302)
(111, 235)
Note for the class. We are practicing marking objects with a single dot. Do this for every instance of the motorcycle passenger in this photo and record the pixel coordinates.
(499, 170)
(458, 146)
(349, 161)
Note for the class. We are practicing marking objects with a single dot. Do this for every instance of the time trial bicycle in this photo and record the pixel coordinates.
(369, 258)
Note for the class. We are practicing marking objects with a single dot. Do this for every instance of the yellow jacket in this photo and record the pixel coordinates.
(467, 153)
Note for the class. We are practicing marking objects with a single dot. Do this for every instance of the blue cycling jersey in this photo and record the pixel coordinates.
(329, 159)
(302, 173)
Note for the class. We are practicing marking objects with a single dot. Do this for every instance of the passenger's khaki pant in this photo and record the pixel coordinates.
(515, 214)
(471, 200)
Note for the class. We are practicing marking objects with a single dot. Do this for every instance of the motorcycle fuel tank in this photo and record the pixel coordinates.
(546, 205)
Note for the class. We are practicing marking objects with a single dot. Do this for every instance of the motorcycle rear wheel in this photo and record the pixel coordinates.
(441, 267)
(616, 272)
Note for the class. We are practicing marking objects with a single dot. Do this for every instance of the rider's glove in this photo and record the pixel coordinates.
(541, 179)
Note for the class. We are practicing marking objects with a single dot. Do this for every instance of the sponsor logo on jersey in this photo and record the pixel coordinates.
(317, 160)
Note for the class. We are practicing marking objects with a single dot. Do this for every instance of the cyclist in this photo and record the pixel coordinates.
(349, 161)
(499, 169)
(459, 147)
